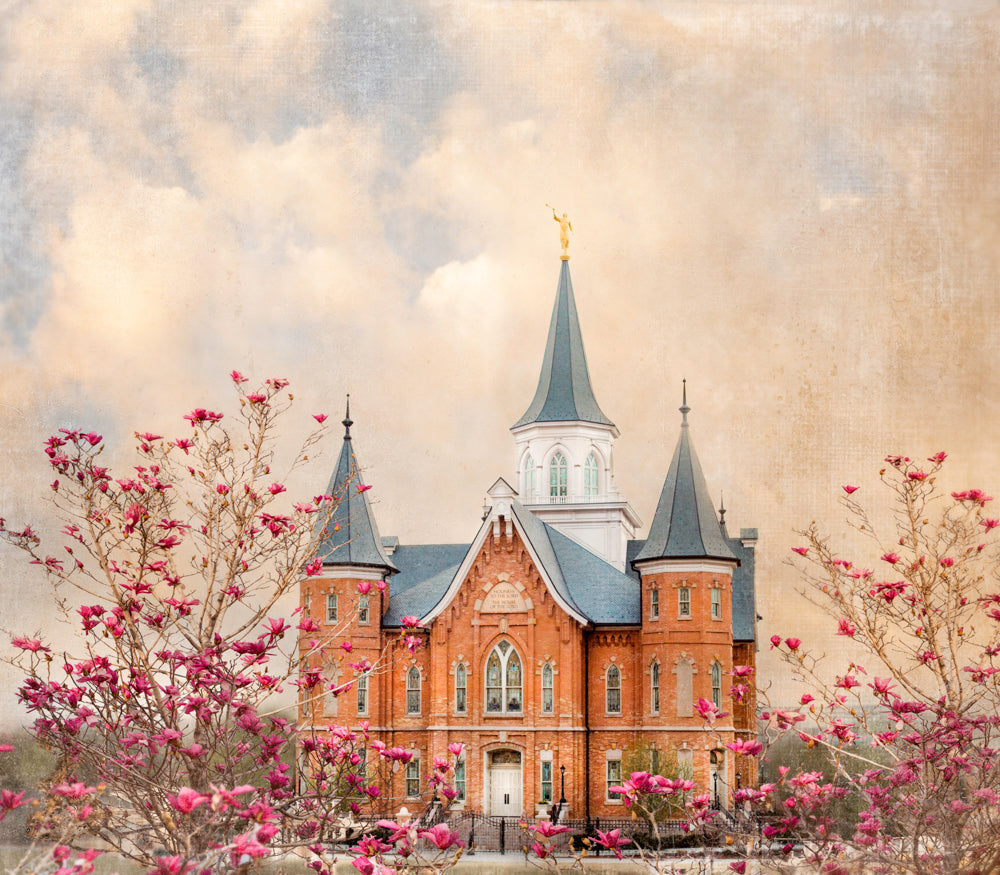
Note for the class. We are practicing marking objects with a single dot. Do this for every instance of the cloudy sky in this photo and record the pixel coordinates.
(796, 206)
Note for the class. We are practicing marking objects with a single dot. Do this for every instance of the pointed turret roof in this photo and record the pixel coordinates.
(685, 525)
(564, 393)
(351, 536)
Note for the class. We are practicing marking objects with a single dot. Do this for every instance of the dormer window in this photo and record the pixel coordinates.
(558, 479)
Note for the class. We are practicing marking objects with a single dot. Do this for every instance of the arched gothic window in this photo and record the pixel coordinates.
(558, 479)
(529, 478)
(548, 699)
(503, 680)
(613, 690)
(413, 691)
(590, 477)
(716, 685)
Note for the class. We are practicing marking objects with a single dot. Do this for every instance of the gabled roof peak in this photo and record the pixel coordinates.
(564, 393)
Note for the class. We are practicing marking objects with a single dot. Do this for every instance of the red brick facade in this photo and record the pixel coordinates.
(601, 708)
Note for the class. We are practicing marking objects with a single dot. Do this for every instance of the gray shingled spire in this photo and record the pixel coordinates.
(564, 393)
(351, 536)
(685, 525)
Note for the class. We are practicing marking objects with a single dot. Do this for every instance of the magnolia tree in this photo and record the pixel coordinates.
(915, 734)
(161, 709)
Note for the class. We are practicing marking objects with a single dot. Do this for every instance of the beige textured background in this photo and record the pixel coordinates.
(794, 205)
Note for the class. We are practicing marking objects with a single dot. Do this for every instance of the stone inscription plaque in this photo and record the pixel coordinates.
(503, 599)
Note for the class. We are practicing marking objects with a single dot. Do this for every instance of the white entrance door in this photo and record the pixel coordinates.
(505, 791)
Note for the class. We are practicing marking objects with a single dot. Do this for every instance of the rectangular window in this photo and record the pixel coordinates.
(654, 688)
(331, 607)
(614, 777)
(716, 604)
(363, 609)
(684, 602)
(460, 688)
(413, 777)
(362, 686)
(654, 604)
(654, 761)
(546, 794)
(460, 780)
(547, 691)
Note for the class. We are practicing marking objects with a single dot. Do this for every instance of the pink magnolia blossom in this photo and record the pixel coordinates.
(846, 627)
(364, 587)
(793, 643)
(32, 644)
(456, 749)
(410, 622)
(187, 800)
(441, 837)
(850, 489)
(313, 567)
(937, 458)
(549, 830)
(775, 641)
(613, 841)
(320, 417)
(237, 377)
(891, 558)
(363, 488)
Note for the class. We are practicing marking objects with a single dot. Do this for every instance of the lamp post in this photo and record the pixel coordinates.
(715, 787)
(738, 780)
(562, 787)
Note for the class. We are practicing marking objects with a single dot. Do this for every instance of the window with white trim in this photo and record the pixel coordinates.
(716, 685)
(654, 688)
(413, 777)
(545, 795)
(558, 479)
(363, 609)
(460, 779)
(331, 607)
(548, 696)
(503, 680)
(590, 475)
(413, 691)
(654, 604)
(361, 685)
(613, 773)
(716, 603)
(460, 688)
(684, 601)
(613, 690)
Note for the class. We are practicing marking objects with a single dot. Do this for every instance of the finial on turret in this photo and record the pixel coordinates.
(347, 422)
(684, 404)
(722, 509)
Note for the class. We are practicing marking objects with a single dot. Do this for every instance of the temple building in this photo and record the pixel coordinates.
(561, 649)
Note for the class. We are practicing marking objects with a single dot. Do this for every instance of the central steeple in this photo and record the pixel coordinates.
(564, 393)
(564, 444)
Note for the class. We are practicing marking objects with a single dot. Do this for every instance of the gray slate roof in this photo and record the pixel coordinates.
(356, 541)
(744, 600)
(592, 587)
(425, 573)
(564, 393)
(685, 525)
